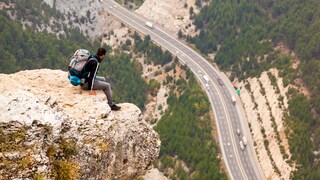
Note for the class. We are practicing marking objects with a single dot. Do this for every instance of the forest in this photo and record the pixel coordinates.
(248, 33)
(185, 132)
(125, 79)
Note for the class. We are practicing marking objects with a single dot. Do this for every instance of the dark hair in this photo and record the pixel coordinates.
(101, 51)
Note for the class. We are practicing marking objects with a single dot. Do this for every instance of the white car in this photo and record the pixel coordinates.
(207, 86)
(241, 145)
(238, 132)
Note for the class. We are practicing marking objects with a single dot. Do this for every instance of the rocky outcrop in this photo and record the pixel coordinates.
(172, 14)
(90, 16)
(50, 129)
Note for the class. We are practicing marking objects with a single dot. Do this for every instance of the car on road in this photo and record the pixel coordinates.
(238, 131)
(244, 139)
(206, 78)
(220, 81)
(233, 99)
(207, 86)
(241, 145)
(149, 24)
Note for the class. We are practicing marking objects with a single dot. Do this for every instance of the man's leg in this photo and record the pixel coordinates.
(102, 85)
(99, 84)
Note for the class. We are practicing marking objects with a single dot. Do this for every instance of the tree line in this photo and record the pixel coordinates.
(153, 53)
(24, 49)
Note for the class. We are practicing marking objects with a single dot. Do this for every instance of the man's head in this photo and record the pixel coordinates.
(101, 53)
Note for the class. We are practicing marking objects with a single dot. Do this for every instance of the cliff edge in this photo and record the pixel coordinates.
(52, 130)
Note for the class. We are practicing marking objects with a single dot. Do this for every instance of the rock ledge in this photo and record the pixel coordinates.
(48, 128)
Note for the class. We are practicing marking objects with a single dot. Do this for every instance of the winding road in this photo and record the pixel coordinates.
(241, 163)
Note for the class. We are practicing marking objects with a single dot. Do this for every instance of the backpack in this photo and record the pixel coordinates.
(76, 64)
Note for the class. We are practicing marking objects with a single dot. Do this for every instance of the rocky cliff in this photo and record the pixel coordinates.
(90, 16)
(176, 12)
(50, 129)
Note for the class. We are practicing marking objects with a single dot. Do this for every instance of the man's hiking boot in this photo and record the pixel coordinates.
(114, 107)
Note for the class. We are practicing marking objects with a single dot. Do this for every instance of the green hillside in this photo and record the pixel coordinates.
(248, 32)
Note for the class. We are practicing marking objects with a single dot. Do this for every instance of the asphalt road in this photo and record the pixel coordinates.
(241, 164)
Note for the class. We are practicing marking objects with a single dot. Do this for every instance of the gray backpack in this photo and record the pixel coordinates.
(76, 65)
(79, 60)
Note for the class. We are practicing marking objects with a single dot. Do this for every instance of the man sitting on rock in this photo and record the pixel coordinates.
(93, 82)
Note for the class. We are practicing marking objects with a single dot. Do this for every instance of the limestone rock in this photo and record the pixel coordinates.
(94, 14)
(170, 14)
(48, 126)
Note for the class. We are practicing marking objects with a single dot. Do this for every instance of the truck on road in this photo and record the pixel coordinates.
(233, 99)
(244, 139)
(149, 24)
(205, 77)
